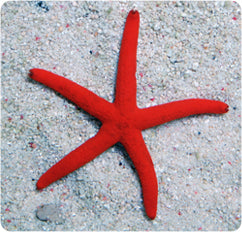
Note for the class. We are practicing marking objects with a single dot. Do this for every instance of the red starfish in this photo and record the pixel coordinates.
(122, 121)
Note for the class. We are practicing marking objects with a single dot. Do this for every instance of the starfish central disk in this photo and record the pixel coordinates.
(122, 121)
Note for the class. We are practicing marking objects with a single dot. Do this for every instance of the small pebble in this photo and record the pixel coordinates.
(43, 5)
(49, 212)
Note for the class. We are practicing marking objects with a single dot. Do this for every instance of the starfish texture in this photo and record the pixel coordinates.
(122, 121)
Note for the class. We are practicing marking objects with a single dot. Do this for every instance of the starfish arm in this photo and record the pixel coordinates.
(125, 97)
(139, 154)
(79, 157)
(156, 115)
(87, 100)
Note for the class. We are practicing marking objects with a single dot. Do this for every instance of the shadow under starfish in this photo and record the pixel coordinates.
(122, 121)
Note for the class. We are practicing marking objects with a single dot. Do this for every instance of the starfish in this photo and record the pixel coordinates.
(122, 121)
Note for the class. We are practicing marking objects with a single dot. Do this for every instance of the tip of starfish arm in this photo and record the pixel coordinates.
(133, 12)
(32, 73)
(218, 107)
(226, 108)
(40, 184)
(151, 211)
(38, 187)
(151, 214)
(35, 73)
